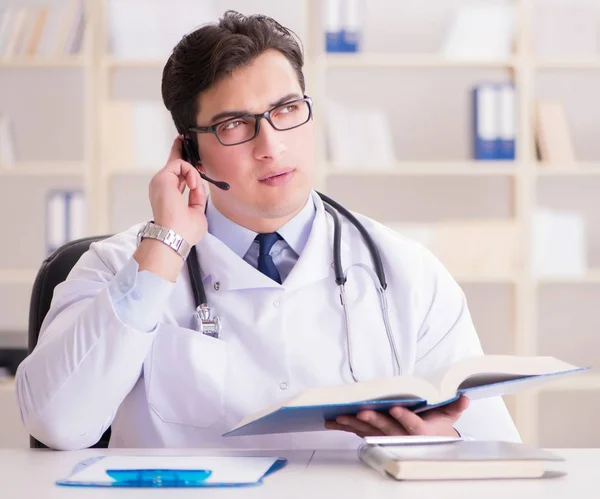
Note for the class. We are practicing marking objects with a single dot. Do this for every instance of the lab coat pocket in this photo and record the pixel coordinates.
(185, 376)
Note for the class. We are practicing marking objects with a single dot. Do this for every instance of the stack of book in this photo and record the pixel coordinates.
(42, 30)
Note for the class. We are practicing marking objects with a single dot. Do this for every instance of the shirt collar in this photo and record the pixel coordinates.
(295, 232)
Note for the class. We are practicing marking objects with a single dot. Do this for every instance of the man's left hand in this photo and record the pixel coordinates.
(402, 421)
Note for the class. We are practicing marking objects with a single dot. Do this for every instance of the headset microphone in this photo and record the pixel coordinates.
(221, 185)
(189, 154)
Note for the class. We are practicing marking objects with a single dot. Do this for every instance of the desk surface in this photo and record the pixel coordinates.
(32, 473)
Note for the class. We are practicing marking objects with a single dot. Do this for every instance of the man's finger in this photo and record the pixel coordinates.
(411, 422)
(175, 152)
(358, 425)
(332, 425)
(197, 198)
(382, 422)
(353, 428)
(453, 410)
(456, 408)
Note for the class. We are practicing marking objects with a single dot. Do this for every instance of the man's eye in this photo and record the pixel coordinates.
(289, 109)
(232, 124)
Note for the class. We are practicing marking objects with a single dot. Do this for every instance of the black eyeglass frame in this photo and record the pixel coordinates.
(258, 117)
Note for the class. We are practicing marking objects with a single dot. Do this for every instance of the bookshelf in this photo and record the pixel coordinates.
(118, 188)
(334, 60)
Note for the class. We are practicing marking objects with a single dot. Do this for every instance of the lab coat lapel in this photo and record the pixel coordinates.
(315, 262)
(218, 263)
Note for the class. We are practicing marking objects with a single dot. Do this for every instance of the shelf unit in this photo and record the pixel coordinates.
(99, 67)
(525, 171)
(406, 61)
(52, 169)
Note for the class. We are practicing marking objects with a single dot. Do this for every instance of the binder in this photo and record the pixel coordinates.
(65, 218)
(343, 25)
(333, 26)
(351, 25)
(506, 121)
(485, 122)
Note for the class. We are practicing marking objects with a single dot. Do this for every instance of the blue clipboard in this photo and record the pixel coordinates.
(154, 478)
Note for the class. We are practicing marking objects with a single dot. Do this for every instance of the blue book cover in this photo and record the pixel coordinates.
(476, 377)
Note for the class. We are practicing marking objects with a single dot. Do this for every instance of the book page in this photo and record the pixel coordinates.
(376, 389)
(486, 370)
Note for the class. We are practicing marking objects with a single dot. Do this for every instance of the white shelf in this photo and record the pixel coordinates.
(362, 60)
(46, 168)
(592, 276)
(586, 63)
(578, 381)
(17, 276)
(111, 62)
(486, 279)
(581, 169)
(50, 62)
(466, 168)
(134, 171)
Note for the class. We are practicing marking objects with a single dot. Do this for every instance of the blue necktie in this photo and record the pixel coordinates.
(265, 261)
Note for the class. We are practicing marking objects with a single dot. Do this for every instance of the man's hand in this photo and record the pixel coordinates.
(401, 421)
(170, 207)
(174, 210)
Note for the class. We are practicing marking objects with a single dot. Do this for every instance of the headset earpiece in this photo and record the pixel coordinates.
(189, 152)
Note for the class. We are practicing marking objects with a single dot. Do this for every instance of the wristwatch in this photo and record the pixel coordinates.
(166, 236)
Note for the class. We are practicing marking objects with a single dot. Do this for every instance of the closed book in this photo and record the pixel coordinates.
(476, 377)
(458, 460)
(553, 136)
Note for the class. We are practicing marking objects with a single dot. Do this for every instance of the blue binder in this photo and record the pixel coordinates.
(485, 122)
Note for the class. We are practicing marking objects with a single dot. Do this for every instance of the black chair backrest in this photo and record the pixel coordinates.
(52, 272)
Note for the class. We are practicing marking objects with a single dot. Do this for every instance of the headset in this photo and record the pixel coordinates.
(189, 153)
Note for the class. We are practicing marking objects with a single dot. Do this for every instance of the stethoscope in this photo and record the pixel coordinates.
(211, 325)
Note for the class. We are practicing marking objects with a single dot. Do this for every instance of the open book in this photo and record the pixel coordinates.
(476, 377)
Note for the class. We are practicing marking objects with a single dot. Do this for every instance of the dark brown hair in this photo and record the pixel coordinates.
(214, 51)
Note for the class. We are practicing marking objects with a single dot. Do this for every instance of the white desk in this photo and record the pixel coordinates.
(31, 473)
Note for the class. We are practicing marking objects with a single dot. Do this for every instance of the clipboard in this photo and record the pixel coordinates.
(171, 471)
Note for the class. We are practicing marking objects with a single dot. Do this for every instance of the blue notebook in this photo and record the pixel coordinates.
(476, 377)
(171, 471)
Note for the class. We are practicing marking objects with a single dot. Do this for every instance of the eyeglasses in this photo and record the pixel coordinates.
(243, 128)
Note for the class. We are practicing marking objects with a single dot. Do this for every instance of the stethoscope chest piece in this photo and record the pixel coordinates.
(206, 323)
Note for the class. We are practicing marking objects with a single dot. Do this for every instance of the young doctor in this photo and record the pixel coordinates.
(120, 345)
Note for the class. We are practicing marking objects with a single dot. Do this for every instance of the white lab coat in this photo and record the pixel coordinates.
(174, 387)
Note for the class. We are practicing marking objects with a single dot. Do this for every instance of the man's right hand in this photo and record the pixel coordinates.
(173, 210)
(170, 207)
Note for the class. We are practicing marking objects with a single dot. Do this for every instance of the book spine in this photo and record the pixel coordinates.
(351, 25)
(374, 456)
(57, 221)
(333, 26)
(506, 121)
(485, 134)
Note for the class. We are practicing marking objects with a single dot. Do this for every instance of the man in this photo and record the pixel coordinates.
(119, 346)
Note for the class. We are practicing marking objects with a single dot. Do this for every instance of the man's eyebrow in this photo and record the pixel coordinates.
(233, 113)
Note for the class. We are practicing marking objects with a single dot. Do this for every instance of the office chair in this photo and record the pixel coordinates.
(52, 272)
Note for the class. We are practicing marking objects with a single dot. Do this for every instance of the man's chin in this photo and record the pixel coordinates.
(283, 206)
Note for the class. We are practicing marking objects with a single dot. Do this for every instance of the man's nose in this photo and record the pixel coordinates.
(268, 143)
